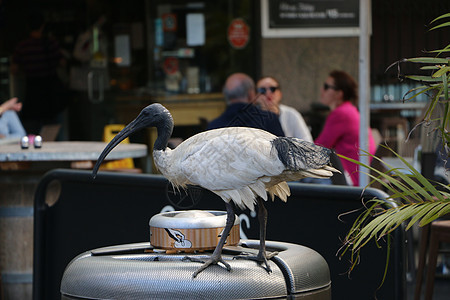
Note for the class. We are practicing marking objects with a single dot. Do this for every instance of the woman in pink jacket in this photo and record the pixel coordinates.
(341, 129)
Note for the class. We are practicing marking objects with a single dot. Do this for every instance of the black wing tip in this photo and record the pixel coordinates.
(297, 154)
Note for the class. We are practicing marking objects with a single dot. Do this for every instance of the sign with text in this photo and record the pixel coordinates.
(310, 17)
(300, 13)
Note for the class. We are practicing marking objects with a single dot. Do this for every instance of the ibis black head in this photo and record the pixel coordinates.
(154, 115)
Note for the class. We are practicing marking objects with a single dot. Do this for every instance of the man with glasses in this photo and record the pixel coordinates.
(269, 97)
(239, 92)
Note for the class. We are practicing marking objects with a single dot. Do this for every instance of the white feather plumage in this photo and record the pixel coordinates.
(240, 164)
(236, 163)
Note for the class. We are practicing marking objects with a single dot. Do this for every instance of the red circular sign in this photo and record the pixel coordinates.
(170, 65)
(238, 33)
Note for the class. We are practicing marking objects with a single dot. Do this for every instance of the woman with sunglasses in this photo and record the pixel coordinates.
(341, 129)
(269, 98)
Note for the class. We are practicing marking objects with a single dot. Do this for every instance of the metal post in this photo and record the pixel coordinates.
(364, 85)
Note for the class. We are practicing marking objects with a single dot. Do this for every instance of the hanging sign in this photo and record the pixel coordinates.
(238, 34)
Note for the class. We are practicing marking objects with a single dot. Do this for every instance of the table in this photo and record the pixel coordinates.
(395, 162)
(69, 151)
(63, 155)
(20, 173)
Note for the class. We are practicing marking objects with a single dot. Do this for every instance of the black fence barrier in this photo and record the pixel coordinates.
(115, 209)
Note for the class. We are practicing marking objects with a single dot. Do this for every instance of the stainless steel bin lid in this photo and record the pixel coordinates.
(134, 271)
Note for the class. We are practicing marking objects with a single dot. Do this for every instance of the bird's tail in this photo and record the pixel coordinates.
(325, 172)
(281, 190)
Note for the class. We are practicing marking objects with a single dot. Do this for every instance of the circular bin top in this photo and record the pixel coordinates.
(135, 271)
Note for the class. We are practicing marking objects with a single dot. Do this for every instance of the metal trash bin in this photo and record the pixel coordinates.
(138, 271)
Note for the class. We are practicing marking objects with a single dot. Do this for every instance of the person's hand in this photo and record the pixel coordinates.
(265, 104)
(11, 104)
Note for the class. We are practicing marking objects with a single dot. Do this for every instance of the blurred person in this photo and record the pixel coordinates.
(37, 58)
(291, 120)
(10, 124)
(341, 129)
(239, 92)
(91, 46)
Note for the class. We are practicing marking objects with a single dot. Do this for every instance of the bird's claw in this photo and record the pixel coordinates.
(211, 261)
(271, 254)
(192, 259)
(261, 259)
(266, 263)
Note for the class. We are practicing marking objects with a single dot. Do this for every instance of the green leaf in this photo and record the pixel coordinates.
(439, 51)
(432, 105)
(441, 17)
(441, 72)
(429, 68)
(408, 212)
(441, 25)
(425, 182)
(388, 258)
(433, 213)
(396, 183)
(424, 60)
(421, 211)
(424, 90)
(368, 231)
(428, 60)
(422, 78)
(446, 109)
(445, 211)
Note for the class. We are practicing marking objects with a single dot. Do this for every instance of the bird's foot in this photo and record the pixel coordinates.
(261, 259)
(212, 260)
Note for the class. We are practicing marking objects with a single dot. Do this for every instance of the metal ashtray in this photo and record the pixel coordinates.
(191, 230)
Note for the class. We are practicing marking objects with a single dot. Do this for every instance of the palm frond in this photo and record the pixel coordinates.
(413, 199)
(435, 83)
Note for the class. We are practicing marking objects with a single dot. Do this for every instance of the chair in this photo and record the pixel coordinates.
(432, 235)
(121, 165)
(344, 179)
(337, 178)
(50, 132)
(394, 130)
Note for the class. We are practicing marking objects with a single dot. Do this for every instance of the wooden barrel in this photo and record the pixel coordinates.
(16, 233)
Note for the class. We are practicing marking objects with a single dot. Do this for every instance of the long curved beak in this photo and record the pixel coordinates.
(123, 134)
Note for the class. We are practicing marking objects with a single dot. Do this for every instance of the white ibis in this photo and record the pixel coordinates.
(239, 164)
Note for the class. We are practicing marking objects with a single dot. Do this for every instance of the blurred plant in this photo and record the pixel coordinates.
(436, 83)
(414, 198)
